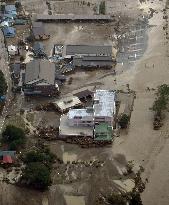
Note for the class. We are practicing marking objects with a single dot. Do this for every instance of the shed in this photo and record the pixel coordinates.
(11, 9)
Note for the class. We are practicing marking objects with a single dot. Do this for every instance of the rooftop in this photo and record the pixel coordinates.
(66, 130)
(67, 102)
(103, 132)
(95, 50)
(72, 17)
(104, 103)
(40, 70)
(88, 112)
(10, 7)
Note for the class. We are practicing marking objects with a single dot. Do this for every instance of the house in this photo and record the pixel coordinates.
(7, 157)
(99, 118)
(13, 50)
(9, 32)
(38, 50)
(39, 32)
(40, 78)
(4, 24)
(66, 103)
(11, 9)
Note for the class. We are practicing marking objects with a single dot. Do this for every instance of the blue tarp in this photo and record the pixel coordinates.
(9, 31)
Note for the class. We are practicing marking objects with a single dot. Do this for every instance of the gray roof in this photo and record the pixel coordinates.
(72, 17)
(39, 29)
(95, 50)
(40, 70)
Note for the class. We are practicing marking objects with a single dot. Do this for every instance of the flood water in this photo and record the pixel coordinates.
(74, 200)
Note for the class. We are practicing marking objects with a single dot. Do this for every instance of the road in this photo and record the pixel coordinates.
(6, 70)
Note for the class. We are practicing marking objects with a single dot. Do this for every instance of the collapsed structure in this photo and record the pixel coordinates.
(96, 121)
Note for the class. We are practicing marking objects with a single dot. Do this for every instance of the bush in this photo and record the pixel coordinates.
(37, 175)
(117, 199)
(124, 120)
(3, 84)
(13, 136)
(102, 8)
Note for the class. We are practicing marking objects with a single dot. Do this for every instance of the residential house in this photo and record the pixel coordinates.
(11, 9)
(7, 157)
(39, 31)
(40, 78)
(13, 50)
(9, 32)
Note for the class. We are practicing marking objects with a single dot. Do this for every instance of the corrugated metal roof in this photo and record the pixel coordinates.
(10, 7)
(104, 103)
(39, 70)
(72, 17)
(95, 50)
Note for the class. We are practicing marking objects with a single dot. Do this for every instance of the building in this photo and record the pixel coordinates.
(99, 118)
(11, 9)
(81, 117)
(104, 106)
(103, 132)
(9, 32)
(93, 62)
(16, 69)
(89, 56)
(66, 131)
(72, 17)
(66, 103)
(40, 78)
(38, 50)
(39, 32)
(4, 24)
(70, 51)
(13, 50)
(7, 157)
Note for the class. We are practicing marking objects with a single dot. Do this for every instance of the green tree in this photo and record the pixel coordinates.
(117, 199)
(3, 84)
(37, 175)
(160, 104)
(135, 199)
(124, 120)
(163, 90)
(102, 8)
(13, 136)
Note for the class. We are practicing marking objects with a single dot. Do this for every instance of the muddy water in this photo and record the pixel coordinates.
(74, 200)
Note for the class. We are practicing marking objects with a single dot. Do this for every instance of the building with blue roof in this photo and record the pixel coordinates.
(9, 32)
(11, 9)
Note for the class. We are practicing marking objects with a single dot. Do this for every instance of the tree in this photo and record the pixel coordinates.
(3, 84)
(135, 199)
(163, 90)
(37, 175)
(117, 199)
(13, 136)
(102, 8)
(124, 120)
(160, 104)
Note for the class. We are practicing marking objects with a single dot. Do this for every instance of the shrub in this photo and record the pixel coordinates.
(124, 120)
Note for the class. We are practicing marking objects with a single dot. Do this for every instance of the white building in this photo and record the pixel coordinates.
(79, 117)
(104, 106)
(12, 50)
